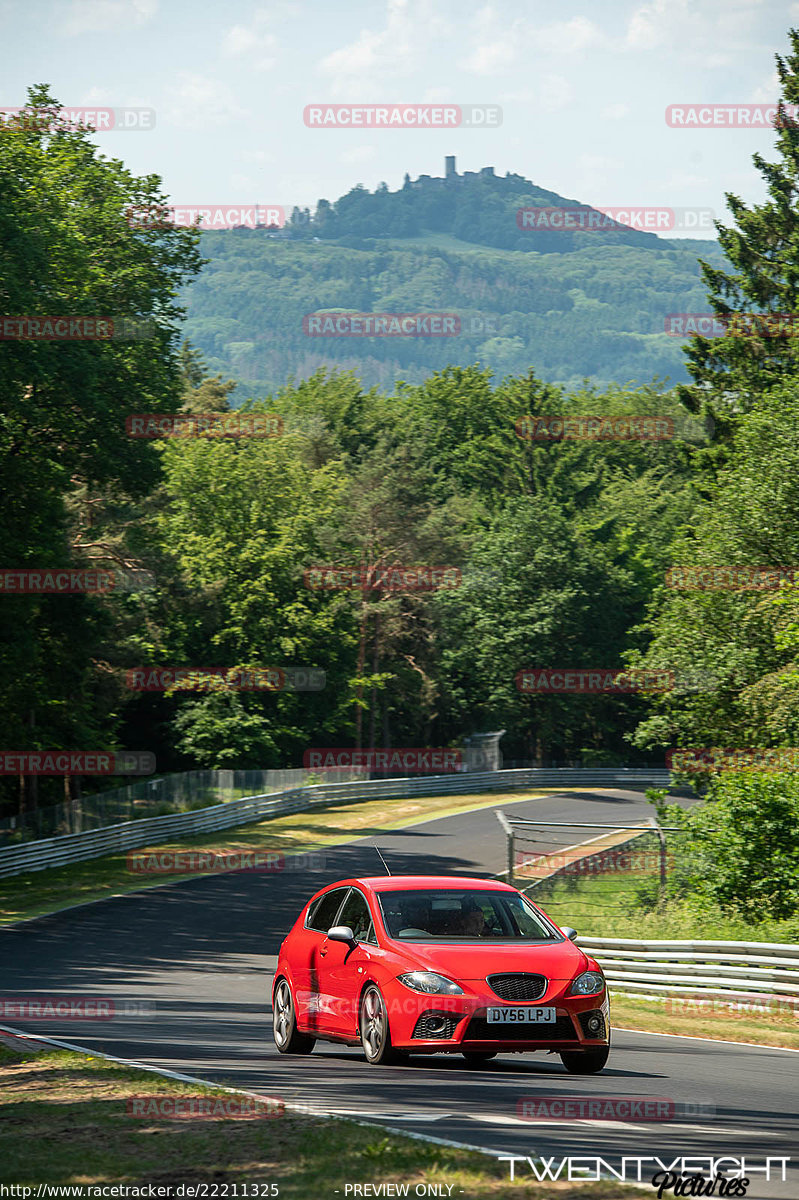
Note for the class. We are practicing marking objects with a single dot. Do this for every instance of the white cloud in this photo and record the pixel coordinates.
(254, 40)
(358, 154)
(615, 112)
(491, 58)
(569, 37)
(364, 65)
(694, 30)
(767, 92)
(197, 102)
(105, 16)
(555, 92)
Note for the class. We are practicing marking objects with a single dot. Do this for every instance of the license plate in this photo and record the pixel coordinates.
(520, 1016)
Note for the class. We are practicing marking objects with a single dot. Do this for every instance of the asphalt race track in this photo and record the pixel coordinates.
(197, 958)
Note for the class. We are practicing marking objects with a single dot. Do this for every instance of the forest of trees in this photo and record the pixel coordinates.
(595, 313)
(563, 545)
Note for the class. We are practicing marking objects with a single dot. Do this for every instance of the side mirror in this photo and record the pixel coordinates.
(571, 934)
(341, 933)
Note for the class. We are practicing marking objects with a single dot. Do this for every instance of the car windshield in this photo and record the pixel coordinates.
(453, 915)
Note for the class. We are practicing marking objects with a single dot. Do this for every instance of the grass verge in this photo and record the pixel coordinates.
(65, 1121)
(40, 892)
(653, 1016)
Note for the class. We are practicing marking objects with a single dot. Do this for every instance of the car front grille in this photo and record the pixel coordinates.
(519, 1031)
(435, 1025)
(517, 987)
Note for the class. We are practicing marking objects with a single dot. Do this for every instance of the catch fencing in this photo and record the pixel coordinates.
(133, 835)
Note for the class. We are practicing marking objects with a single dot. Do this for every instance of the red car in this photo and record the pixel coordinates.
(422, 964)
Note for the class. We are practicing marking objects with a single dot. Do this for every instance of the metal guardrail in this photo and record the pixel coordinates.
(754, 971)
(133, 835)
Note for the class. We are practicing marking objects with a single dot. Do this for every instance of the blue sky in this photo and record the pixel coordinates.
(583, 88)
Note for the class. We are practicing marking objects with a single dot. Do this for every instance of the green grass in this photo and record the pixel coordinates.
(769, 1029)
(64, 1120)
(609, 905)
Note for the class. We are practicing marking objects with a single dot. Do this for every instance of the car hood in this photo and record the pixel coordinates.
(474, 961)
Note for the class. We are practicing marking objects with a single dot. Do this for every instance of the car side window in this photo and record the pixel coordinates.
(322, 913)
(355, 913)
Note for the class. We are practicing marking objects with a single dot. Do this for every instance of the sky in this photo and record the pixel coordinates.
(583, 90)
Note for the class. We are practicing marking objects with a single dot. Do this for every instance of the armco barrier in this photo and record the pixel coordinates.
(698, 970)
(132, 835)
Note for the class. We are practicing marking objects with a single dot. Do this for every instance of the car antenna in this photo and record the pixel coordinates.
(383, 861)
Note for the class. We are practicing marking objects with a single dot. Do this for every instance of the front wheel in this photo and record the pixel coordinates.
(374, 1029)
(585, 1062)
(287, 1037)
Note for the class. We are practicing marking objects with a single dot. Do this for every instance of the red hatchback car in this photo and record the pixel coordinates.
(423, 963)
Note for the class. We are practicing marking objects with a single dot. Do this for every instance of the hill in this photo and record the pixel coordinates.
(572, 304)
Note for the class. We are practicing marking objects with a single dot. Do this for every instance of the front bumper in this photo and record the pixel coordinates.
(436, 1024)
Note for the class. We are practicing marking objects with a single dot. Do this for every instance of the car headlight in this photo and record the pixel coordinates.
(430, 983)
(587, 984)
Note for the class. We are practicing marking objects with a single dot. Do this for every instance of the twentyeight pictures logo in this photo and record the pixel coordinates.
(402, 116)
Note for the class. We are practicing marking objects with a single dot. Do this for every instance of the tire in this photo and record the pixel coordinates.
(585, 1062)
(287, 1037)
(374, 1029)
(476, 1058)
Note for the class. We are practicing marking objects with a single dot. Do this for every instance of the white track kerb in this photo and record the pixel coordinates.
(302, 1109)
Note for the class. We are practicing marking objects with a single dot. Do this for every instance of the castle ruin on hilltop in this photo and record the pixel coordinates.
(451, 177)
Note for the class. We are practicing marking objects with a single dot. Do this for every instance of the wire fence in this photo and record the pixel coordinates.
(187, 791)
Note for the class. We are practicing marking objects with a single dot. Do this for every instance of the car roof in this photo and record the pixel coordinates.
(394, 883)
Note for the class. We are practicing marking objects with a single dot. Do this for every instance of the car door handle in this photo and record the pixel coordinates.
(323, 952)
